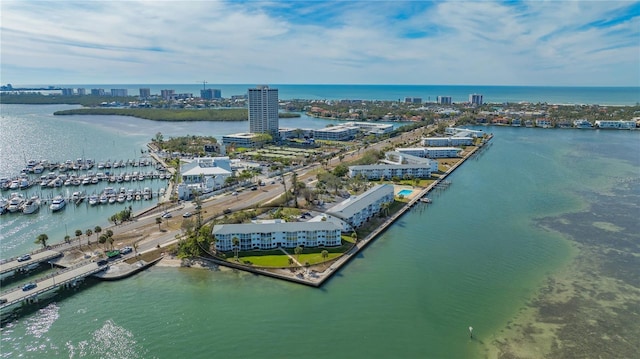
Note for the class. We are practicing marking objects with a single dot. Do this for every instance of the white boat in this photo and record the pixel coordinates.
(58, 203)
(103, 199)
(94, 200)
(121, 198)
(24, 183)
(3, 205)
(32, 205)
(15, 202)
(76, 196)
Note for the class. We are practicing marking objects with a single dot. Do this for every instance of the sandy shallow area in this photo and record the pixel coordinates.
(591, 309)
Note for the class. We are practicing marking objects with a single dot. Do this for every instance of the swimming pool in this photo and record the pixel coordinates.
(405, 192)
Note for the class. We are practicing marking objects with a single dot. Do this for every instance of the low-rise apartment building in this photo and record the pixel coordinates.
(359, 209)
(253, 236)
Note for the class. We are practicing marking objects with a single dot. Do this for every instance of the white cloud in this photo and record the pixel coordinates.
(533, 43)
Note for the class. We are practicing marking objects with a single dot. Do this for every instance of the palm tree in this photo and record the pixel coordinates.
(158, 222)
(325, 254)
(78, 234)
(297, 251)
(42, 239)
(135, 248)
(109, 233)
(97, 230)
(236, 244)
(88, 233)
(384, 207)
(67, 239)
(103, 239)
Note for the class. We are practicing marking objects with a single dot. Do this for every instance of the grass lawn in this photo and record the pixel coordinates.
(280, 260)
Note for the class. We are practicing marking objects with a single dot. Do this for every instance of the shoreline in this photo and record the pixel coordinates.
(313, 278)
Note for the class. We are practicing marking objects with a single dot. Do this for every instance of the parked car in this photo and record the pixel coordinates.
(24, 258)
(227, 211)
(3, 300)
(187, 214)
(167, 215)
(28, 286)
(102, 262)
(126, 250)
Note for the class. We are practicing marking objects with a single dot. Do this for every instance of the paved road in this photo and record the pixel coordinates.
(17, 294)
(35, 258)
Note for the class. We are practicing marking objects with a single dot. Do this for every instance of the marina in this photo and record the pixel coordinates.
(75, 182)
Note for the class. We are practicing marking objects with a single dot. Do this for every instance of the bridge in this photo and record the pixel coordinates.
(14, 265)
(65, 277)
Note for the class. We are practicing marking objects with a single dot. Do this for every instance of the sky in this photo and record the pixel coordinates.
(536, 43)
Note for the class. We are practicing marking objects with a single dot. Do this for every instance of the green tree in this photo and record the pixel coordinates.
(88, 233)
(42, 240)
(325, 254)
(103, 239)
(340, 170)
(78, 235)
(97, 230)
(67, 239)
(158, 222)
(236, 246)
(297, 251)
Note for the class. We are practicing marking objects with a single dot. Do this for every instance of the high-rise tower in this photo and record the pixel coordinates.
(263, 110)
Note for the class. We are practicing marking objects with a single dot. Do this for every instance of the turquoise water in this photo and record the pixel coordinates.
(405, 192)
(492, 94)
(473, 257)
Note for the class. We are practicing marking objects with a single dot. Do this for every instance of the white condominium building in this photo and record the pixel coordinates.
(447, 141)
(272, 235)
(431, 152)
(396, 165)
(263, 110)
(359, 209)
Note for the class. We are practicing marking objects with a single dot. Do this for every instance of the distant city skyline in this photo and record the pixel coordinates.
(516, 43)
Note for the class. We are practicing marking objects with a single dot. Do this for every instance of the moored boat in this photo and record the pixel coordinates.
(58, 203)
(32, 205)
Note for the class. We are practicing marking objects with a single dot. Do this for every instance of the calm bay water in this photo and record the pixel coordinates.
(472, 257)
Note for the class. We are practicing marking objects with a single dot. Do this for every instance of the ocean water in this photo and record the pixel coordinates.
(473, 257)
(491, 94)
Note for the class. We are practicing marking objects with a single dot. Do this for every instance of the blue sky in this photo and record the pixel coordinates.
(546, 43)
